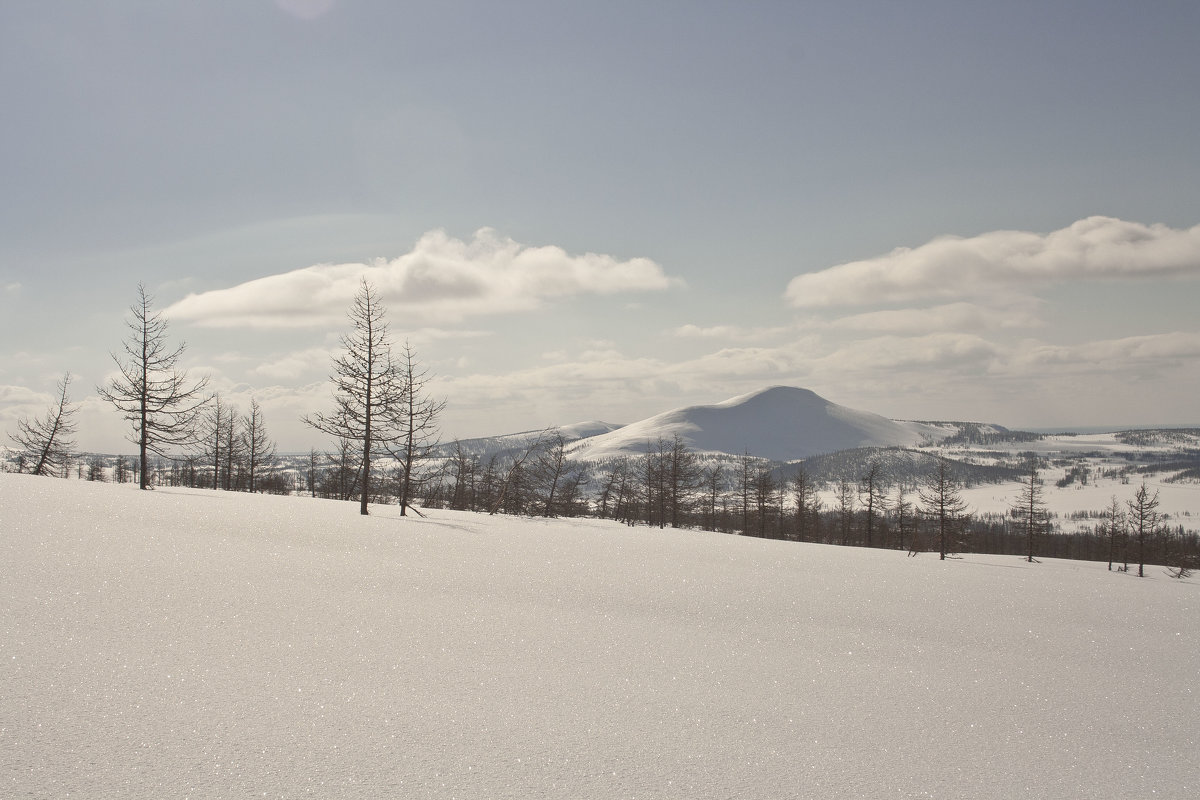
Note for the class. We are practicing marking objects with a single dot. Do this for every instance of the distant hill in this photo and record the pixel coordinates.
(513, 442)
(782, 423)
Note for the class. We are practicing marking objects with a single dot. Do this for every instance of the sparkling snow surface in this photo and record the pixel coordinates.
(184, 643)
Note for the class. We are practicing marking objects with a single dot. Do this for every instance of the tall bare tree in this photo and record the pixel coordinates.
(212, 436)
(1113, 526)
(906, 519)
(681, 473)
(46, 442)
(765, 493)
(1143, 521)
(415, 420)
(808, 505)
(1030, 510)
(151, 391)
(845, 510)
(712, 479)
(942, 504)
(872, 498)
(258, 447)
(368, 387)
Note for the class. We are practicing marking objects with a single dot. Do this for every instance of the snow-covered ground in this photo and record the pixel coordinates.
(1111, 472)
(187, 643)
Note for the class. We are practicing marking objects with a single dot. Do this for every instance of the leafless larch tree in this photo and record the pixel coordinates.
(151, 391)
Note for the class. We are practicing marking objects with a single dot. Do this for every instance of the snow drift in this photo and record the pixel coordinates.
(194, 643)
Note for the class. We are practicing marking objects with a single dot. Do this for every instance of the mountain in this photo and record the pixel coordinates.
(782, 423)
(516, 442)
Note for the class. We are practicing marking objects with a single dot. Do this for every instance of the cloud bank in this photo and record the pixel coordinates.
(442, 280)
(1096, 248)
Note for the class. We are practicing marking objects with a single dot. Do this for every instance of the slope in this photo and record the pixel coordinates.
(193, 643)
(781, 423)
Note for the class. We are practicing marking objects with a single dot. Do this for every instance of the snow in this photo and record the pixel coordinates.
(184, 643)
(1110, 463)
(781, 423)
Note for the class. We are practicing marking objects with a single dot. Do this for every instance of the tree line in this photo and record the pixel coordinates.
(673, 486)
(380, 407)
(383, 425)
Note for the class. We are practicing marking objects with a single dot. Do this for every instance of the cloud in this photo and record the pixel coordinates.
(1096, 248)
(731, 333)
(295, 364)
(1112, 356)
(442, 280)
(949, 317)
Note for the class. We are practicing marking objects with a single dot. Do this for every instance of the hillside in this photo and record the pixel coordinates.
(782, 423)
(189, 642)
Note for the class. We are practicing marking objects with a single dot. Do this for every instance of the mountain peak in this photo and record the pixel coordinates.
(781, 423)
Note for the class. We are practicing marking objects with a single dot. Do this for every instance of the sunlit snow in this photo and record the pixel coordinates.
(190, 643)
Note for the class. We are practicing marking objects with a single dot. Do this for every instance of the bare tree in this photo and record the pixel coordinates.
(906, 519)
(681, 474)
(121, 470)
(1143, 521)
(415, 419)
(465, 467)
(342, 478)
(212, 436)
(550, 468)
(234, 452)
(870, 495)
(259, 449)
(764, 497)
(152, 393)
(513, 478)
(368, 387)
(712, 478)
(312, 471)
(942, 503)
(46, 443)
(1030, 510)
(808, 505)
(1114, 528)
(845, 510)
(744, 487)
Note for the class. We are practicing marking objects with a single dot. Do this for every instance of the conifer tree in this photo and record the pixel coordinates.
(1030, 510)
(942, 504)
(368, 388)
(46, 443)
(151, 391)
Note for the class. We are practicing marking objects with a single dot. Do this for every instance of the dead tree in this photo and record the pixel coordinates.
(368, 387)
(151, 391)
(46, 443)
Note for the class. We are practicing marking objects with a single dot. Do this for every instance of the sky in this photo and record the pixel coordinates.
(576, 211)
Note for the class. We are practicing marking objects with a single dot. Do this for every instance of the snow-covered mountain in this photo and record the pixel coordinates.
(782, 423)
(515, 442)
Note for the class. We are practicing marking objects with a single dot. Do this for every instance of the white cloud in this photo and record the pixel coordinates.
(442, 280)
(729, 333)
(939, 352)
(295, 364)
(949, 266)
(949, 317)
(1129, 355)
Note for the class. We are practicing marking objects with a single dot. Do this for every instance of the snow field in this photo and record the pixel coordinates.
(189, 643)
